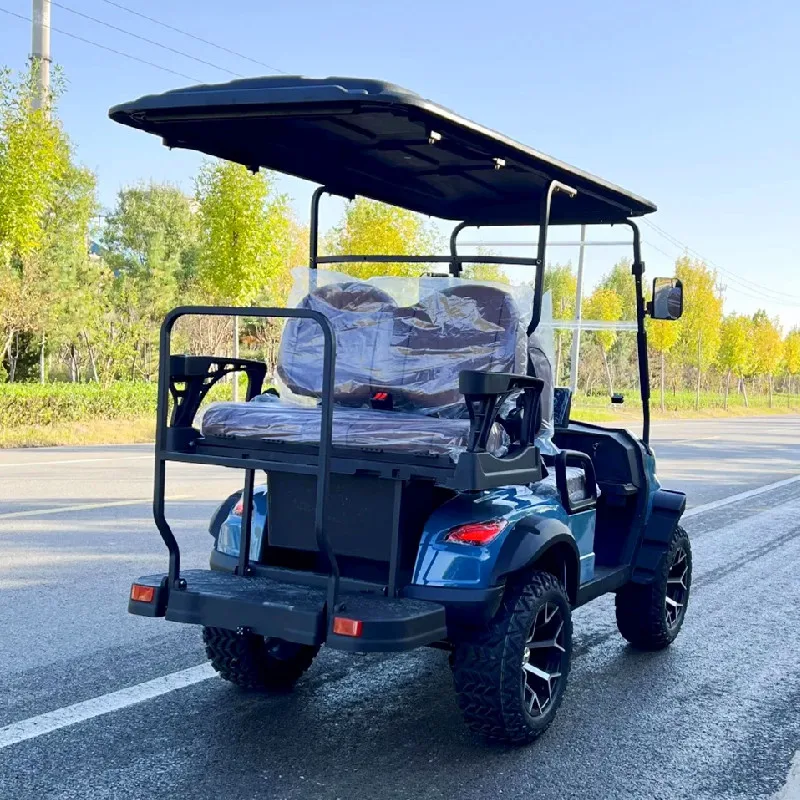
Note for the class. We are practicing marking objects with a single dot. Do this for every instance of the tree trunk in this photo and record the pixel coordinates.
(557, 381)
(699, 372)
(608, 372)
(13, 355)
(769, 381)
(727, 388)
(744, 392)
(42, 375)
(73, 364)
(663, 380)
(92, 359)
(7, 345)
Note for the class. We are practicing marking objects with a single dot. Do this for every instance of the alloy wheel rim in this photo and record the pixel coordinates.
(677, 588)
(542, 659)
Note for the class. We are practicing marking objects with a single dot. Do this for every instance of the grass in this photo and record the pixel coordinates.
(101, 431)
(138, 429)
(682, 405)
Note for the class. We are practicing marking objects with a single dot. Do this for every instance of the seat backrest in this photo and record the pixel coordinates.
(413, 352)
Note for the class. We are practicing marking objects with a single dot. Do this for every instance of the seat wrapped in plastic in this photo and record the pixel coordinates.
(269, 419)
(414, 352)
(407, 337)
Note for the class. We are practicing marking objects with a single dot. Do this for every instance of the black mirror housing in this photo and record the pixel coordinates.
(667, 303)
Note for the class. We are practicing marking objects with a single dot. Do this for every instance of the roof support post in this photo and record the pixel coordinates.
(541, 250)
(641, 332)
(313, 227)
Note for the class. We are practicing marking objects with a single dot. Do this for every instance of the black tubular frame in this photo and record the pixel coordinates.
(163, 452)
(641, 331)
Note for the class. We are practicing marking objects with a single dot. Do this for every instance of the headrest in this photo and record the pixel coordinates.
(413, 352)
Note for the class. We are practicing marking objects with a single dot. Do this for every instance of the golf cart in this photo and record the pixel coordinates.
(425, 485)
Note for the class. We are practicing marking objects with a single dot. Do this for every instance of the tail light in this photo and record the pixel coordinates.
(347, 627)
(476, 533)
(238, 509)
(143, 594)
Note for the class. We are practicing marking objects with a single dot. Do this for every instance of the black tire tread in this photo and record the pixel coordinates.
(243, 659)
(487, 684)
(640, 607)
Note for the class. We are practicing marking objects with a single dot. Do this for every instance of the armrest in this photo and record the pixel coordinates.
(561, 462)
(484, 393)
(190, 378)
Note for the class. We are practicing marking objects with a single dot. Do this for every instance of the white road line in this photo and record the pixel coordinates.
(38, 512)
(735, 498)
(52, 721)
(791, 789)
(89, 709)
(73, 461)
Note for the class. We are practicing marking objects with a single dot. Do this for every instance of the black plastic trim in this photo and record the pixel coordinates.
(667, 508)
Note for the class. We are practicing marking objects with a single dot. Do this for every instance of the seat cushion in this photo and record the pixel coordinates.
(269, 419)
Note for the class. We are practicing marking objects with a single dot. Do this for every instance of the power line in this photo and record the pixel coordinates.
(145, 39)
(192, 36)
(104, 47)
(752, 285)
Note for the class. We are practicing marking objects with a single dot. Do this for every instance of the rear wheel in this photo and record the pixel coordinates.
(255, 662)
(511, 677)
(650, 615)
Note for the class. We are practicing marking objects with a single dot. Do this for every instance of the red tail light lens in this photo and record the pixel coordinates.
(143, 594)
(347, 627)
(238, 509)
(477, 533)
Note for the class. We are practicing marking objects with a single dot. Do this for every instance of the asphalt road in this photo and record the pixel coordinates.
(715, 716)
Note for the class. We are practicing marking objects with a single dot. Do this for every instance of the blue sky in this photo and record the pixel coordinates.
(694, 105)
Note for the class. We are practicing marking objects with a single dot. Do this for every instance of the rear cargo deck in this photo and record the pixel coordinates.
(292, 611)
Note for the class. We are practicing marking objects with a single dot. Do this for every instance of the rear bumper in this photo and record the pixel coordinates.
(293, 612)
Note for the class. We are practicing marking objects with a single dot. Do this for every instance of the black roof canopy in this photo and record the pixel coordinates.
(370, 138)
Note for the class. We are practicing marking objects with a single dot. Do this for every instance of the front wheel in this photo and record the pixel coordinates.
(650, 615)
(510, 678)
(255, 662)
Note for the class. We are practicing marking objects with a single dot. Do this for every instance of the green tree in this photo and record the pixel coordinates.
(767, 347)
(372, 228)
(151, 238)
(791, 355)
(604, 305)
(736, 352)
(246, 234)
(562, 283)
(35, 158)
(698, 341)
(662, 335)
(620, 281)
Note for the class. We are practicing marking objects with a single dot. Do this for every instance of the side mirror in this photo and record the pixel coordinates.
(667, 300)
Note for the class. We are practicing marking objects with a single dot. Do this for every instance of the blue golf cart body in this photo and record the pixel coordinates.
(425, 485)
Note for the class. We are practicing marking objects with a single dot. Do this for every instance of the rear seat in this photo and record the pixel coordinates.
(414, 354)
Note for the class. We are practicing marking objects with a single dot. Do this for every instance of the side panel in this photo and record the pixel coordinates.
(537, 521)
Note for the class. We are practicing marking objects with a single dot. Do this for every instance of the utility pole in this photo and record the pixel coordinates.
(576, 337)
(40, 48)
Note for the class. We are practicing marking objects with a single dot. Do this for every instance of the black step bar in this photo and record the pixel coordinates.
(168, 429)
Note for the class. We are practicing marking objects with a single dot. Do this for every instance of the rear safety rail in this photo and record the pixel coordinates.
(186, 380)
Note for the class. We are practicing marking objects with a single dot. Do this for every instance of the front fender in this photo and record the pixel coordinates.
(667, 507)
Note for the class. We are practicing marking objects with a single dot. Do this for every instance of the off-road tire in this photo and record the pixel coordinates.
(488, 667)
(641, 608)
(253, 662)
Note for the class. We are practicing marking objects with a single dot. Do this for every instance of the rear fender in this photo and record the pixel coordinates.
(544, 543)
(666, 511)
